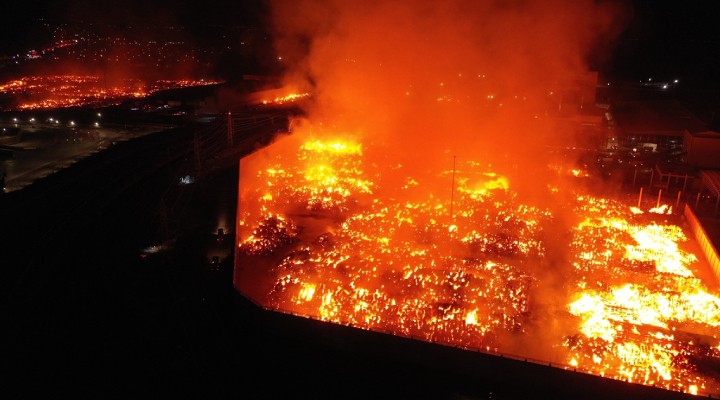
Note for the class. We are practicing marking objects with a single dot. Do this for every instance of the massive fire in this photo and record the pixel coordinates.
(289, 98)
(421, 196)
(60, 91)
(462, 268)
(643, 314)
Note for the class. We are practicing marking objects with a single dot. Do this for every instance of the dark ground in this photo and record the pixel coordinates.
(85, 316)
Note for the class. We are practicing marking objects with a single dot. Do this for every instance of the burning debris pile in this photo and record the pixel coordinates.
(402, 265)
(337, 244)
(289, 98)
(272, 233)
(60, 91)
(643, 315)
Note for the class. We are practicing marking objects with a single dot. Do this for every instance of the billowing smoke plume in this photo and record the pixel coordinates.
(472, 79)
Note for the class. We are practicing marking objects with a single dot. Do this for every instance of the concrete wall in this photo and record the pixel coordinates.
(704, 241)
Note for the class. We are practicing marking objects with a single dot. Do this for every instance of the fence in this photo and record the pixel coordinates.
(703, 240)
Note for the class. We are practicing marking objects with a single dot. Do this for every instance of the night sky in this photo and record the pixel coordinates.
(155, 12)
(668, 39)
(21, 22)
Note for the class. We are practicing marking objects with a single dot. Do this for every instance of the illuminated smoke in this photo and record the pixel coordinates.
(437, 79)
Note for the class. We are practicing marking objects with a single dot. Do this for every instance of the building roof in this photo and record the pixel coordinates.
(676, 170)
(705, 134)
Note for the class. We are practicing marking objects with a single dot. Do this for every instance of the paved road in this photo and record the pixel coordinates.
(41, 150)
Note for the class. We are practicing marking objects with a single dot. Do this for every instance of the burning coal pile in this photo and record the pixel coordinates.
(419, 199)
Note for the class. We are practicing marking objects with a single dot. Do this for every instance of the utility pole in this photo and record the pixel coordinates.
(230, 140)
(452, 192)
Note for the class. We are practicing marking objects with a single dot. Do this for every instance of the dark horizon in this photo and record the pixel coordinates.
(25, 25)
(667, 40)
(663, 40)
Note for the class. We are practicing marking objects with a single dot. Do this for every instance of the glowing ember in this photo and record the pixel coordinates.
(644, 316)
(45, 92)
(272, 233)
(386, 265)
(287, 98)
(332, 173)
(462, 270)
